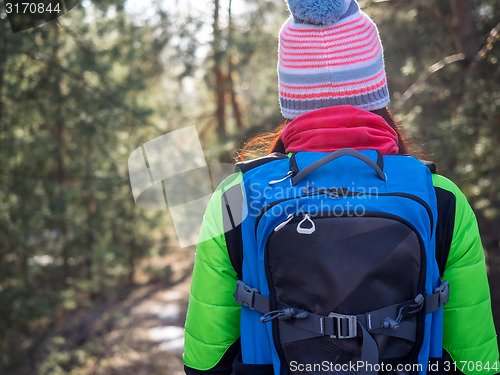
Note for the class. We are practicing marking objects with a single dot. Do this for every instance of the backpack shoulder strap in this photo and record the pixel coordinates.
(446, 204)
(232, 201)
(246, 166)
(445, 221)
(431, 165)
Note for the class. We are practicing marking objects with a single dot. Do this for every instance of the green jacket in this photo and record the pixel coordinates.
(212, 325)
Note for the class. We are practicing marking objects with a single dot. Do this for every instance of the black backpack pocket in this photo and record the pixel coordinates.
(343, 267)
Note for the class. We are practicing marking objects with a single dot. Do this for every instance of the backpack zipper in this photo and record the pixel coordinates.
(341, 193)
(294, 169)
(306, 217)
(288, 175)
(271, 205)
(289, 218)
(306, 230)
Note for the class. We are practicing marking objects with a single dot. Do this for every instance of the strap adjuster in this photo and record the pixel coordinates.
(245, 295)
(443, 292)
(439, 298)
(340, 321)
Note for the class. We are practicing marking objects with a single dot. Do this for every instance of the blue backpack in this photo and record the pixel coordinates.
(339, 274)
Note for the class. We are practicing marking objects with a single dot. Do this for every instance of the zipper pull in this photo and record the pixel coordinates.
(280, 226)
(309, 230)
(288, 175)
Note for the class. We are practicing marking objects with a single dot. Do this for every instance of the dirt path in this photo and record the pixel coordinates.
(140, 335)
(143, 334)
(160, 321)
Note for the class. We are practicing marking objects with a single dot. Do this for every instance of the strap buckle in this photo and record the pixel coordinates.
(439, 298)
(443, 292)
(342, 321)
(245, 295)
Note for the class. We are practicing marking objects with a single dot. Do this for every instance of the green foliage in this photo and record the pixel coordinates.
(78, 95)
(450, 106)
(71, 111)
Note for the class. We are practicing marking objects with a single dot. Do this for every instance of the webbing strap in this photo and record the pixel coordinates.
(369, 352)
(251, 298)
(369, 349)
(339, 326)
(438, 299)
(390, 321)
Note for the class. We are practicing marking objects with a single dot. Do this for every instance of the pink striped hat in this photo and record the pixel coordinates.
(330, 54)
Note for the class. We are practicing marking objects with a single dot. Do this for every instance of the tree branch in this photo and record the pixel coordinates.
(493, 37)
(425, 76)
(483, 53)
(103, 94)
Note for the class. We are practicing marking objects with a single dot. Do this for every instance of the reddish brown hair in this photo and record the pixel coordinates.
(267, 143)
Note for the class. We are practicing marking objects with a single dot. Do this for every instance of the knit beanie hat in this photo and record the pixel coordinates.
(329, 54)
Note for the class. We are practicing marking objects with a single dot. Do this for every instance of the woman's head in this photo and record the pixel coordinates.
(329, 54)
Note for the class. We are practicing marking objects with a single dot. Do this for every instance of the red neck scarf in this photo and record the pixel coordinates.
(333, 128)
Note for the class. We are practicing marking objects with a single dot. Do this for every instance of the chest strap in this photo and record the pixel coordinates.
(300, 324)
(251, 298)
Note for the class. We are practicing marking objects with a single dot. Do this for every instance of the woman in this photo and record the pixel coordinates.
(333, 92)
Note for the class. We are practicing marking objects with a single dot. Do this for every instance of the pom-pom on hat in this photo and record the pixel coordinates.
(318, 12)
(329, 54)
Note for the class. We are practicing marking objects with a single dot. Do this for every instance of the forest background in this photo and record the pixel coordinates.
(79, 94)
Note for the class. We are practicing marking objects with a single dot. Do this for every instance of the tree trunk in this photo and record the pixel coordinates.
(60, 166)
(89, 205)
(220, 101)
(235, 103)
(131, 261)
(232, 71)
(2, 73)
(3, 60)
(466, 38)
